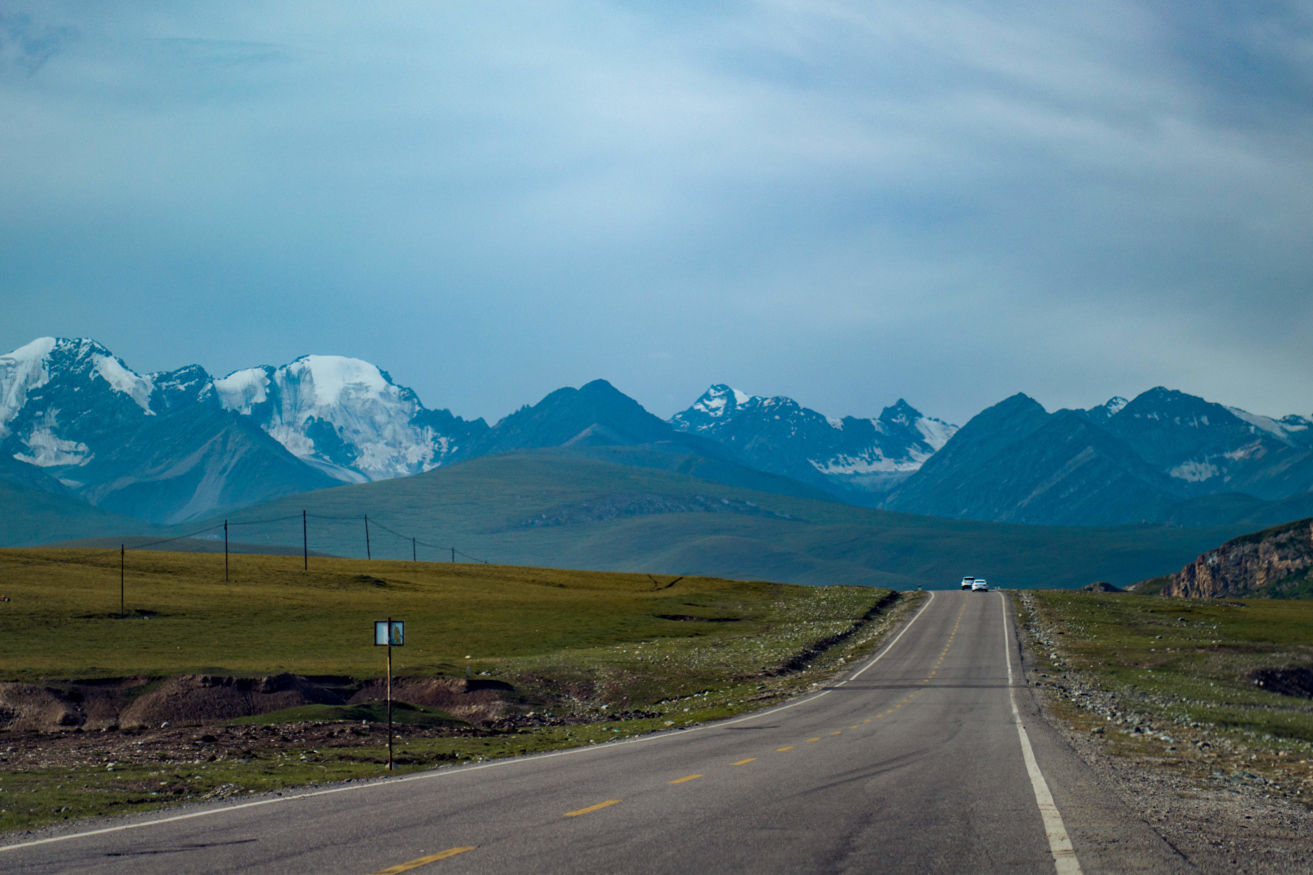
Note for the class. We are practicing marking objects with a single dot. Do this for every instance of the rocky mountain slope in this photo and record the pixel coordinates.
(857, 459)
(1276, 562)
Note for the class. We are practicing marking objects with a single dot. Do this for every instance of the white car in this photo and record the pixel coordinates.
(967, 581)
(980, 585)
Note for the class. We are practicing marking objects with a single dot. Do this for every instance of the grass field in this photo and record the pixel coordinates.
(1175, 679)
(580, 645)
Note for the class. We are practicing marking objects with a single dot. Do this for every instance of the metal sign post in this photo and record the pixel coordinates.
(389, 633)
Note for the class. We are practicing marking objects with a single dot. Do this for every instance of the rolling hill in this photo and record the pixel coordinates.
(564, 509)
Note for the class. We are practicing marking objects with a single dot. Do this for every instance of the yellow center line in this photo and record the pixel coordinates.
(837, 732)
(744, 762)
(424, 861)
(810, 740)
(683, 779)
(591, 808)
(854, 726)
(786, 747)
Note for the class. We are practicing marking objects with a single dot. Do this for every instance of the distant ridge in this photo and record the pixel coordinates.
(1164, 457)
(77, 422)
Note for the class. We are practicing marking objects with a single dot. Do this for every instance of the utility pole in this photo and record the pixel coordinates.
(305, 544)
(368, 554)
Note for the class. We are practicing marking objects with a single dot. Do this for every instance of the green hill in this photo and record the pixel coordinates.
(560, 509)
(30, 515)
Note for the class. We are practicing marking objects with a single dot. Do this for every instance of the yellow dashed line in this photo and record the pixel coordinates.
(591, 808)
(685, 778)
(424, 861)
(744, 762)
(786, 747)
(810, 740)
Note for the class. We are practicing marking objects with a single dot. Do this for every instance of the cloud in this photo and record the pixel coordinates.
(28, 45)
(846, 201)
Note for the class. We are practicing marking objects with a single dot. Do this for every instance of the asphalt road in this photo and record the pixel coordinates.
(929, 758)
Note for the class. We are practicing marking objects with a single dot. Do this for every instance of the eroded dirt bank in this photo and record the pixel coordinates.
(182, 719)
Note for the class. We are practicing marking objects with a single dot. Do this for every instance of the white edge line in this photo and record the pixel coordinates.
(443, 773)
(1064, 855)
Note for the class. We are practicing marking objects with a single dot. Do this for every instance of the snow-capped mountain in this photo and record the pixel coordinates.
(146, 446)
(77, 422)
(174, 445)
(859, 458)
(1163, 457)
(347, 417)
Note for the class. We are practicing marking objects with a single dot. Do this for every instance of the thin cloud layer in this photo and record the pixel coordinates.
(840, 202)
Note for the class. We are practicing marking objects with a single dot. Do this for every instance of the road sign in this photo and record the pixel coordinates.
(389, 633)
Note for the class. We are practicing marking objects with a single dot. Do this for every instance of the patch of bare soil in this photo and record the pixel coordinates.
(181, 719)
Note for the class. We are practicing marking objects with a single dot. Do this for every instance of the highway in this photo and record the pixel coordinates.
(929, 757)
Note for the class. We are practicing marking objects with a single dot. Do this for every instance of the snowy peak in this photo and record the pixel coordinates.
(35, 365)
(186, 385)
(858, 458)
(341, 414)
(59, 396)
(21, 371)
(1107, 410)
(718, 402)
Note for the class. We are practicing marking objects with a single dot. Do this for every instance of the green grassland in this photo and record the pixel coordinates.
(62, 620)
(563, 510)
(613, 654)
(1174, 679)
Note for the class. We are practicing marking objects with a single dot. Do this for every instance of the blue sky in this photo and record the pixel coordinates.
(846, 203)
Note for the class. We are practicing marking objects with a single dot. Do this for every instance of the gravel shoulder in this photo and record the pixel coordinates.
(1201, 790)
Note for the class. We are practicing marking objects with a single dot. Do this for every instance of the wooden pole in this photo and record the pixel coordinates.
(305, 544)
(389, 694)
(225, 551)
(123, 612)
(368, 554)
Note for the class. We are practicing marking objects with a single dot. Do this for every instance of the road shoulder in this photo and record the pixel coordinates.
(1141, 813)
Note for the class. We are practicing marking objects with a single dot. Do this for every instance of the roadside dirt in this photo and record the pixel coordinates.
(1186, 788)
(182, 719)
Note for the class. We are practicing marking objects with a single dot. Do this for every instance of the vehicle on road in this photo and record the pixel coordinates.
(980, 585)
(967, 582)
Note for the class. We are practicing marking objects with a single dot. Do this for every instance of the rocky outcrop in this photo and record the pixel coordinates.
(1249, 564)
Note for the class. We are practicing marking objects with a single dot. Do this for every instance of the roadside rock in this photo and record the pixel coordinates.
(1247, 564)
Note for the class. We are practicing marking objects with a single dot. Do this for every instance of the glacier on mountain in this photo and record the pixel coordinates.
(47, 450)
(341, 414)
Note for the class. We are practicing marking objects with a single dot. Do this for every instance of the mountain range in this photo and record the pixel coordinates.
(1165, 457)
(79, 426)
